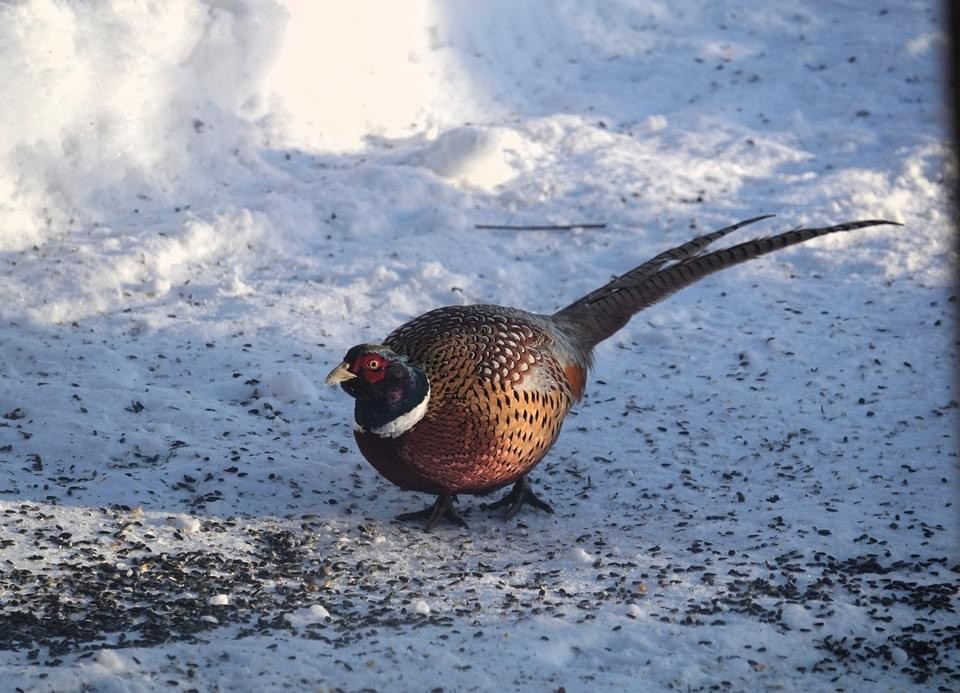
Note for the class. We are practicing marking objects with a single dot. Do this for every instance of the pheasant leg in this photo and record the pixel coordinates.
(441, 509)
(520, 493)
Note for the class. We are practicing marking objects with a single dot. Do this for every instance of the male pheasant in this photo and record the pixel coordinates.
(468, 399)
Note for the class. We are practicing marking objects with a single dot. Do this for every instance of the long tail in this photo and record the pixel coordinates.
(602, 312)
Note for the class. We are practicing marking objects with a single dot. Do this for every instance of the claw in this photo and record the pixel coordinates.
(441, 509)
(520, 493)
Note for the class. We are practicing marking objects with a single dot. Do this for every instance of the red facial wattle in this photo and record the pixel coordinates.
(370, 367)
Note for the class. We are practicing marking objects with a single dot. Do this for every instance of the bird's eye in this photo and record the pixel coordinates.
(373, 364)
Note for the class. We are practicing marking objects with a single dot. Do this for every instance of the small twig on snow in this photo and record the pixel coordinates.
(558, 227)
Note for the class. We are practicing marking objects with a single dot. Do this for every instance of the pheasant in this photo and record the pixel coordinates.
(468, 399)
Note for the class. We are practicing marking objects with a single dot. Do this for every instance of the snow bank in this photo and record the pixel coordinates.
(127, 105)
(109, 104)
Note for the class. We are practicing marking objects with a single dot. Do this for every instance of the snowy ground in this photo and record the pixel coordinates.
(202, 206)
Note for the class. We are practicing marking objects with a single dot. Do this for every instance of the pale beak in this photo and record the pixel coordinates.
(340, 374)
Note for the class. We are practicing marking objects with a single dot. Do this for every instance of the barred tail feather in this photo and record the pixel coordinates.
(602, 312)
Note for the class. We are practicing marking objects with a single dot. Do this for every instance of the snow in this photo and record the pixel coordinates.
(203, 205)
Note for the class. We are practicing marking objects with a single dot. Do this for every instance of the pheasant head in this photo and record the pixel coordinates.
(391, 394)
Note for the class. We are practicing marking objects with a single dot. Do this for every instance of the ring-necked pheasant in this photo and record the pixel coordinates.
(468, 399)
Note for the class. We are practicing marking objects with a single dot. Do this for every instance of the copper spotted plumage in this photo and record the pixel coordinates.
(468, 399)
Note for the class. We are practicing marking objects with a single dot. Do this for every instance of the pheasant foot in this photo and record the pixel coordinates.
(442, 509)
(520, 493)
